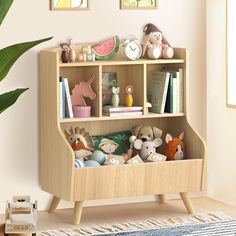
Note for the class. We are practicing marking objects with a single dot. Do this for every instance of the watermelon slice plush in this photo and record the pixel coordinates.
(107, 49)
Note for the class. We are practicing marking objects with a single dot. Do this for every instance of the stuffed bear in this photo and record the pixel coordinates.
(174, 147)
(146, 133)
(156, 44)
(147, 148)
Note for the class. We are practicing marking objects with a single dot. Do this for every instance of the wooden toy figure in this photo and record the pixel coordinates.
(72, 54)
(129, 98)
(65, 52)
(115, 96)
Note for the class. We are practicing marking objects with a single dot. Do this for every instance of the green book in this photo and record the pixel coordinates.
(157, 91)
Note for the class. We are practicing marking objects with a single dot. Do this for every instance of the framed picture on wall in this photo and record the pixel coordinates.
(138, 4)
(69, 5)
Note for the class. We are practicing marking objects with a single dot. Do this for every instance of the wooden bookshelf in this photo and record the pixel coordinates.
(60, 178)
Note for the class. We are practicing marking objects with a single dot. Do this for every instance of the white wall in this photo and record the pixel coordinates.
(221, 120)
(183, 22)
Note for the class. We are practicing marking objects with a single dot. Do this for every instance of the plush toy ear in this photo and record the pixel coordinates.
(169, 138)
(181, 136)
(157, 142)
(132, 139)
(138, 144)
(135, 130)
(157, 132)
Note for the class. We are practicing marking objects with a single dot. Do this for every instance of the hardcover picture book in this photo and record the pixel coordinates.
(157, 90)
(109, 80)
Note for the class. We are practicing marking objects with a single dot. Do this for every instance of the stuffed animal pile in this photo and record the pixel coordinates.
(145, 142)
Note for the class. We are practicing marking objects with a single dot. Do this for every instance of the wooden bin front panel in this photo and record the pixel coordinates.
(138, 180)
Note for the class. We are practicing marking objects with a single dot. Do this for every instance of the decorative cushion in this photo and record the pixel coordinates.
(121, 138)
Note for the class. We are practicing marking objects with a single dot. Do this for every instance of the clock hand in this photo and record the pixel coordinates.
(131, 48)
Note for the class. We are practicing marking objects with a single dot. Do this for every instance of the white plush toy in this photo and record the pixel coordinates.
(147, 148)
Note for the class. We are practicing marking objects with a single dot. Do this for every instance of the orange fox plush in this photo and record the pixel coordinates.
(174, 147)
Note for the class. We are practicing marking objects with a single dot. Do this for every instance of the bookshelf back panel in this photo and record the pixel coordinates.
(129, 75)
(78, 74)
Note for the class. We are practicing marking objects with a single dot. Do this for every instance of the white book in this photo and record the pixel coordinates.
(175, 95)
(68, 109)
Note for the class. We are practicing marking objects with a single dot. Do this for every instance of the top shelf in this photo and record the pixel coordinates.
(122, 62)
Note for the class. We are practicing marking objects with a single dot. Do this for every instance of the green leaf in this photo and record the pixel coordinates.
(4, 7)
(9, 98)
(9, 55)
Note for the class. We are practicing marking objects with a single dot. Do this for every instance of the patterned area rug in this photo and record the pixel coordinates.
(211, 224)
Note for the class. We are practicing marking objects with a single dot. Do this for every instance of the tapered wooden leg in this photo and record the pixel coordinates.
(187, 203)
(54, 204)
(77, 212)
(161, 198)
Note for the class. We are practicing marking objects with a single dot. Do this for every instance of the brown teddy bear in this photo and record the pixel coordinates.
(146, 133)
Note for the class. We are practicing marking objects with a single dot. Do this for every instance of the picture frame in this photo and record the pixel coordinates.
(138, 4)
(69, 5)
(230, 55)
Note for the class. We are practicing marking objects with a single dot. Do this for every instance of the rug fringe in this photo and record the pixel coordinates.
(129, 226)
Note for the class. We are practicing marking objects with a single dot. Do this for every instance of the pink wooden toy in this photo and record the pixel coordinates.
(81, 90)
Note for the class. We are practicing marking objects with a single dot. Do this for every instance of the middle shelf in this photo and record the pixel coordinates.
(136, 75)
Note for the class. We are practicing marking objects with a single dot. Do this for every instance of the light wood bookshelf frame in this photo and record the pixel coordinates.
(59, 177)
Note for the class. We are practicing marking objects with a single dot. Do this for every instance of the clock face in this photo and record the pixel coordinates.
(133, 50)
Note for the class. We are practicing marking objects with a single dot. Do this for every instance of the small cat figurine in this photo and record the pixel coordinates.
(115, 96)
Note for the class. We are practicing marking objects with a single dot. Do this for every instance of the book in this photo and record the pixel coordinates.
(112, 109)
(62, 99)
(68, 104)
(157, 91)
(109, 80)
(120, 114)
(175, 94)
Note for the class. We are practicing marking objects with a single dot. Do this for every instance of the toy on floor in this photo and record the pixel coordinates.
(21, 216)
(146, 133)
(81, 142)
(115, 96)
(129, 98)
(155, 45)
(147, 148)
(174, 147)
(81, 90)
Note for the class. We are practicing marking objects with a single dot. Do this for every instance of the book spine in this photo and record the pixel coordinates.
(122, 109)
(69, 110)
(163, 104)
(171, 94)
(62, 100)
(123, 114)
(175, 95)
(116, 112)
(181, 90)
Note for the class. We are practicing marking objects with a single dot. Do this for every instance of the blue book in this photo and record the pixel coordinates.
(62, 99)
